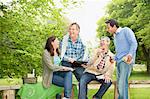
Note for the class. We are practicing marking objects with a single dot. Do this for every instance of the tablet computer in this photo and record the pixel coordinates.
(78, 63)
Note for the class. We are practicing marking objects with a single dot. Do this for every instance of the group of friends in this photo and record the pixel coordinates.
(59, 57)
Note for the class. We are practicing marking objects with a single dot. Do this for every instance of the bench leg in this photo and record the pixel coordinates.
(8, 94)
(115, 91)
(129, 91)
(72, 92)
(74, 89)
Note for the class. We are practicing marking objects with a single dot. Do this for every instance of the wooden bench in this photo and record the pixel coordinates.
(8, 92)
(130, 83)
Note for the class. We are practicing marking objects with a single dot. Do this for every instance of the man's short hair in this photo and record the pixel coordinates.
(112, 22)
(77, 25)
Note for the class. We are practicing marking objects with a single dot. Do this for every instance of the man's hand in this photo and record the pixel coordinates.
(107, 78)
(127, 59)
(83, 65)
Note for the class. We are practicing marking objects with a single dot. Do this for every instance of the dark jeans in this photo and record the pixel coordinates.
(87, 78)
(78, 72)
(63, 79)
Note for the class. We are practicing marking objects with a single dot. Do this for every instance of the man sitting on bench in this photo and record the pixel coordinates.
(100, 68)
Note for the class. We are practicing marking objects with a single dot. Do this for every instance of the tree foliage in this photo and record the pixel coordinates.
(24, 29)
(133, 14)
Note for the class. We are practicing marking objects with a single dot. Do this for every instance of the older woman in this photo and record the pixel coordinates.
(99, 68)
(52, 71)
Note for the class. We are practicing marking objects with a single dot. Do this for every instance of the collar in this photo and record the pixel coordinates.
(75, 41)
(118, 30)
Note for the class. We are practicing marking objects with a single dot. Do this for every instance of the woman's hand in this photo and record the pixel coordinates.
(107, 78)
(66, 69)
(111, 60)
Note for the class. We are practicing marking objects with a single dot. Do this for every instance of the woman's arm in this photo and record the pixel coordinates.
(47, 60)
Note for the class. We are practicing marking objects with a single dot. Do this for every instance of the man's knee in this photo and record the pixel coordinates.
(78, 73)
(83, 80)
(69, 74)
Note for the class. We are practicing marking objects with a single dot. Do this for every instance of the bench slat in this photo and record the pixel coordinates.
(12, 87)
(130, 82)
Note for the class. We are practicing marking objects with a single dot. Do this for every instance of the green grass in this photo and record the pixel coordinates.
(139, 75)
(135, 93)
(108, 95)
(14, 81)
(136, 75)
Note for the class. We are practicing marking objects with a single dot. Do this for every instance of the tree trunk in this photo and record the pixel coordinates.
(147, 57)
(148, 66)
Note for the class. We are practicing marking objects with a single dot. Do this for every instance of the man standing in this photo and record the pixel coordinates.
(72, 49)
(125, 46)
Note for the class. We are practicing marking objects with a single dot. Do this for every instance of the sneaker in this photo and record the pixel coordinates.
(65, 98)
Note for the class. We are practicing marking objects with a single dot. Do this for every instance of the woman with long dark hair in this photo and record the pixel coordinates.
(52, 71)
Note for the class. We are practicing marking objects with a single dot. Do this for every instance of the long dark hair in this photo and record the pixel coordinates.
(49, 46)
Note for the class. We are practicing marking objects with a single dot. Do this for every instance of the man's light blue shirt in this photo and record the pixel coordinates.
(125, 43)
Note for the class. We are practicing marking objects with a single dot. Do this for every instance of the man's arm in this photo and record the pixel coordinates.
(133, 44)
(132, 40)
(81, 54)
(47, 60)
(111, 68)
(111, 63)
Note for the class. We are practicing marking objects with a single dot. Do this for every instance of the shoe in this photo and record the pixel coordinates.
(58, 96)
(95, 97)
(65, 98)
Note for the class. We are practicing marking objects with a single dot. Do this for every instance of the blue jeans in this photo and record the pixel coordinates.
(123, 73)
(78, 72)
(63, 79)
(87, 78)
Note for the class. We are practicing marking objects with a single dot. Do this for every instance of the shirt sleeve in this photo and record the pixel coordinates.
(65, 58)
(132, 40)
(60, 45)
(47, 60)
(81, 55)
(111, 68)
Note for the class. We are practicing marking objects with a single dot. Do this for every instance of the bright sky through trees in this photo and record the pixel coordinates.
(86, 16)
